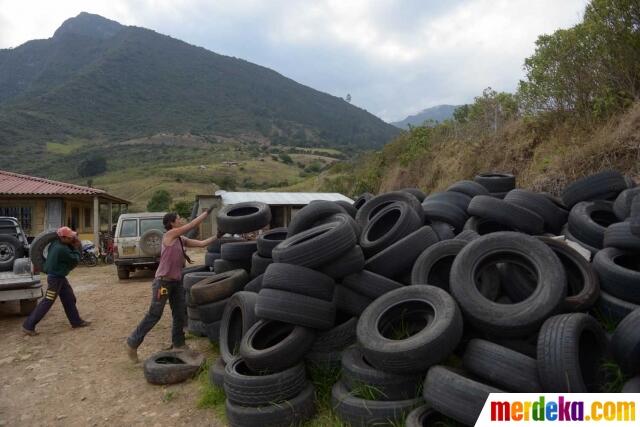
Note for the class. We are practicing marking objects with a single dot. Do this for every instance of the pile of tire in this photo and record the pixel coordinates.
(428, 303)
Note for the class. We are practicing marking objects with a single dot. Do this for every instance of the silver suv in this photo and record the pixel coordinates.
(137, 242)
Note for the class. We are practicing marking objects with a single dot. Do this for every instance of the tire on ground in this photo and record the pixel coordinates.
(171, 367)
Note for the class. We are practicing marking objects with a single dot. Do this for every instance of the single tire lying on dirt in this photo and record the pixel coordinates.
(269, 240)
(508, 320)
(410, 329)
(11, 249)
(216, 373)
(504, 212)
(39, 247)
(243, 217)
(246, 387)
(619, 273)
(171, 367)
(455, 395)
(218, 286)
(238, 317)
(357, 411)
(570, 349)
(294, 411)
(358, 373)
(295, 308)
(151, 242)
(273, 346)
(601, 186)
(297, 279)
(508, 369)
(589, 220)
(388, 226)
(626, 343)
(496, 182)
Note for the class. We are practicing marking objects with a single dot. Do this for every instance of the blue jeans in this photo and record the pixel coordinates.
(56, 286)
(161, 291)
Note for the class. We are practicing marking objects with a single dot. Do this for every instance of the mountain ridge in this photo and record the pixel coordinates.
(436, 113)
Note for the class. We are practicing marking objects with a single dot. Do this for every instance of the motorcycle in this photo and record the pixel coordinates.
(88, 255)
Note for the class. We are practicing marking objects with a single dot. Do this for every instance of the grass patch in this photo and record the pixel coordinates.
(323, 380)
(63, 148)
(169, 396)
(612, 377)
(210, 396)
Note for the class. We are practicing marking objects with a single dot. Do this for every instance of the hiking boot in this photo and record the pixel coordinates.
(132, 353)
(82, 324)
(30, 332)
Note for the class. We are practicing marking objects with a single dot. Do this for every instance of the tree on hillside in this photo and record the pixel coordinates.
(160, 201)
(183, 208)
(92, 166)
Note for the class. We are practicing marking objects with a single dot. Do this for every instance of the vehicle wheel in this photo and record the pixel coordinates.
(626, 343)
(151, 242)
(39, 247)
(570, 349)
(123, 273)
(244, 217)
(601, 186)
(10, 249)
(27, 306)
(171, 367)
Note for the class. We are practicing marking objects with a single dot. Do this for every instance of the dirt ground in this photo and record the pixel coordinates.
(72, 377)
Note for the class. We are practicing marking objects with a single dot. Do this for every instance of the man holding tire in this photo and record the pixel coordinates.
(62, 257)
(167, 284)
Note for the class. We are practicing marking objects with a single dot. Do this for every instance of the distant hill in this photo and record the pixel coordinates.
(97, 82)
(438, 113)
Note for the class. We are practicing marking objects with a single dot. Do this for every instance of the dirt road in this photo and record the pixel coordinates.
(82, 377)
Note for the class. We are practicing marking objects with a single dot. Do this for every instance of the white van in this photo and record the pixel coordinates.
(137, 242)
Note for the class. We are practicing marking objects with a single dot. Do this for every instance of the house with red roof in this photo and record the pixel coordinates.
(41, 204)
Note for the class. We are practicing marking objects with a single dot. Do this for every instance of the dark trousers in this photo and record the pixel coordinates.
(57, 286)
(162, 290)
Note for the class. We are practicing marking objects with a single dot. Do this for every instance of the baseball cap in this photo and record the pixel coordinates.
(66, 232)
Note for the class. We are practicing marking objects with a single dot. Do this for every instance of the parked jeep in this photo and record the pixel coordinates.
(137, 242)
(17, 280)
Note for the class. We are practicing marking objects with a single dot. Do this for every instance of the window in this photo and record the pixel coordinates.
(23, 214)
(87, 217)
(74, 222)
(129, 228)
(151, 223)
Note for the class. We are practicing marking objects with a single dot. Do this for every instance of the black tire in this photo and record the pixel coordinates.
(325, 361)
(453, 198)
(343, 217)
(216, 373)
(356, 411)
(341, 336)
(620, 236)
(388, 226)
(455, 395)
(295, 411)
(622, 204)
(626, 343)
(269, 240)
(246, 387)
(221, 266)
(191, 278)
(238, 251)
(370, 284)
(348, 207)
(295, 308)
(210, 258)
(349, 301)
(218, 287)
(415, 192)
(362, 199)
(212, 331)
(316, 246)
(583, 285)
(613, 309)
(238, 317)
(589, 220)
(194, 269)
(357, 373)
(619, 273)
(254, 285)
(442, 229)
(425, 416)
(299, 280)
(172, 367)
(308, 216)
(11, 249)
(400, 256)
(569, 236)
(350, 262)
(508, 320)
(373, 206)
(570, 349)
(470, 188)
(212, 312)
(484, 226)
(193, 313)
(217, 244)
(496, 182)
(429, 342)
(554, 217)
(631, 386)
(243, 217)
(196, 328)
(274, 346)
(123, 273)
(601, 186)
(439, 211)
(38, 246)
(259, 264)
(507, 369)
(151, 242)
(433, 265)
(467, 235)
(503, 212)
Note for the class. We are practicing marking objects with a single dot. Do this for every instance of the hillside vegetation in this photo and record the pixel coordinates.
(577, 112)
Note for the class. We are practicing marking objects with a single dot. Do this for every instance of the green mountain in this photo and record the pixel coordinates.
(96, 83)
(438, 113)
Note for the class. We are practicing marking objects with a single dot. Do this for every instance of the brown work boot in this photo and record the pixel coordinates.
(30, 332)
(132, 353)
(82, 324)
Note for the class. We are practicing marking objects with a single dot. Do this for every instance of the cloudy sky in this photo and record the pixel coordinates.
(395, 57)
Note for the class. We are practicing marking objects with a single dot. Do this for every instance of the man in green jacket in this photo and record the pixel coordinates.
(62, 257)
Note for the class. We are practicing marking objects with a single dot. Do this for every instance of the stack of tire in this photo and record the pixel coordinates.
(214, 250)
(191, 276)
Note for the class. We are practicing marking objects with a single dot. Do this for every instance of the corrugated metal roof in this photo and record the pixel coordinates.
(274, 198)
(15, 184)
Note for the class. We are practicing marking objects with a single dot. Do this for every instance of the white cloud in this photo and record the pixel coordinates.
(395, 57)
